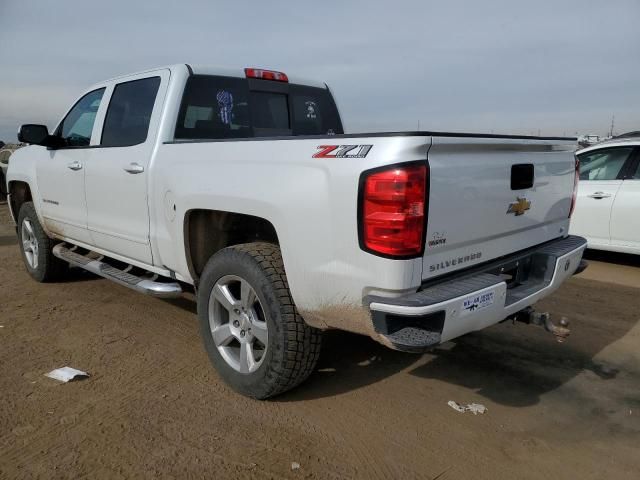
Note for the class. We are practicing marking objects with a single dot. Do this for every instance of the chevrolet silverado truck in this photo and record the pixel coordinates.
(241, 185)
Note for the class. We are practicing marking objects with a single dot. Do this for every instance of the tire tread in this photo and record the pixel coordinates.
(302, 349)
(50, 268)
(301, 342)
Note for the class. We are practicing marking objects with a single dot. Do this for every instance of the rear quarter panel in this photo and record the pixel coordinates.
(311, 202)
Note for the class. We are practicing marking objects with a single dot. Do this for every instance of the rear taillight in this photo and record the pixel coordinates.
(576, 178)
(265, 74)
(393, 210)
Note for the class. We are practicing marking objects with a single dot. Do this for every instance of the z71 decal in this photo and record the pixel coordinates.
(342, 151)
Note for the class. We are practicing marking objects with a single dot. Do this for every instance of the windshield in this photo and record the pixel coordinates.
(215, 107)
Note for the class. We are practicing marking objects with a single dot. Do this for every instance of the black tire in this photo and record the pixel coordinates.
(3, 187)
(293, 347)
(48, 268)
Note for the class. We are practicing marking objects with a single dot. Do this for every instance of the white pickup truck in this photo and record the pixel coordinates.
(242, 184)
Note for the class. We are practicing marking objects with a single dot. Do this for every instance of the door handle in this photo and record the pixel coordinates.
(134, 168)
(599, 195)
(75, 166)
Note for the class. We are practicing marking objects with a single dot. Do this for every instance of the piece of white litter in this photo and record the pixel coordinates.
(66, 374)
(475, 408)
(295, 465)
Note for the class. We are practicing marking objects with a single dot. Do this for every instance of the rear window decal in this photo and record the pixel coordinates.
(225, 104)
(311, 110)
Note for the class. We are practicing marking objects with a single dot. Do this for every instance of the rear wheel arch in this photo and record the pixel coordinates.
(206, 232)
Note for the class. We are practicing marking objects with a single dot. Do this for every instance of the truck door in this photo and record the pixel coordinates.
(600, 179)
(625, 214)
(61, 172)
(117, 173)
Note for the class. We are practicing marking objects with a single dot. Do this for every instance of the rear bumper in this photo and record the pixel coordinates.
(478, 299)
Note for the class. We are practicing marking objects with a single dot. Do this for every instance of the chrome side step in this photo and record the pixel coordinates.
(96, 265)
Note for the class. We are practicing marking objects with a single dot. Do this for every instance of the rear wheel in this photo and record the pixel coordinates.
(37, 247)
(254, 335)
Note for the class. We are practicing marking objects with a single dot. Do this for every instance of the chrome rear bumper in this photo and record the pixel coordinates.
(478, 299)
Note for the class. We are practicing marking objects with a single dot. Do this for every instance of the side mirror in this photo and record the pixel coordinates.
(34, 134)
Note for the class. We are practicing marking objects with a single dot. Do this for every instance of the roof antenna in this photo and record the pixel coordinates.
(613, 118)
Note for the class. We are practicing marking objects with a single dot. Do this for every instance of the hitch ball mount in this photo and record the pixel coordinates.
(531, 317)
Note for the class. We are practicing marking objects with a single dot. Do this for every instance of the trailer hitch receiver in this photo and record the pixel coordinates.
(543, 319)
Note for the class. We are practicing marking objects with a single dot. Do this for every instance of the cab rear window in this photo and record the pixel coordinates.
(217, 107)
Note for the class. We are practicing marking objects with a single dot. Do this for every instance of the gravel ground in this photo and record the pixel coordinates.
(153, 406)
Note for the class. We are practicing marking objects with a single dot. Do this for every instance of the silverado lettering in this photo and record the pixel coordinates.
(454, 261)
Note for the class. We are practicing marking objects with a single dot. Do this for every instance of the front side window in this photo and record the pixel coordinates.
(129, 113)
(603, 164)
(77, 126)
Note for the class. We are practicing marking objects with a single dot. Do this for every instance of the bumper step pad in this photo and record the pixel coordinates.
(414, 340)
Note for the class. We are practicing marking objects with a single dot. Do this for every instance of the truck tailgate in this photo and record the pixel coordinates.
(492, 197)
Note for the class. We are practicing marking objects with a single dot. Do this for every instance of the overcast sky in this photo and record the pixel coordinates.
(559, 67)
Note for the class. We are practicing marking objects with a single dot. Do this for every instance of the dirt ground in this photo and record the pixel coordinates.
(154, 407)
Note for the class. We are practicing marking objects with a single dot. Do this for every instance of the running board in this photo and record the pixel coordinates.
(123, 277)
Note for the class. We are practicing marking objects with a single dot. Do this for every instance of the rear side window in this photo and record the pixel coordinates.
(603, 164)
(129, 113)
(225, 107)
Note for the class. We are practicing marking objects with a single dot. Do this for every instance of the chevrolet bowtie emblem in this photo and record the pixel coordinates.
(519, 207)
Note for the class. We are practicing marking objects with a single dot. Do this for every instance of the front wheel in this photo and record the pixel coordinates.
(37, 247)
(3, 187)
(252, 331)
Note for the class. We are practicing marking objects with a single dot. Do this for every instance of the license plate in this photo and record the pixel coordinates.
(478, 302)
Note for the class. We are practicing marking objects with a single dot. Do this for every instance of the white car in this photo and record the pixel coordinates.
(607, 211)
(242, 183)
(587, 140)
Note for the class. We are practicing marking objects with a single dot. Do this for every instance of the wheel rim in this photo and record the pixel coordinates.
(29, 244)
(238, 324)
